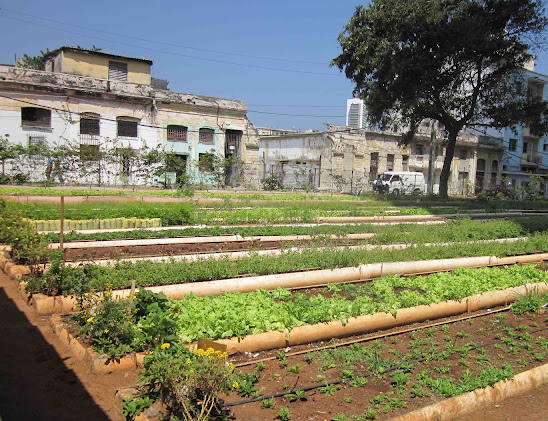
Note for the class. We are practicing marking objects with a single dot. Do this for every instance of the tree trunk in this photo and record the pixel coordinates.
(446, 170)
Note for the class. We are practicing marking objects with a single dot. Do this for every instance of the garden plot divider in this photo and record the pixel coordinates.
(46, 305)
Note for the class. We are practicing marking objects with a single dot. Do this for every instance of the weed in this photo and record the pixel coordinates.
(268, 403)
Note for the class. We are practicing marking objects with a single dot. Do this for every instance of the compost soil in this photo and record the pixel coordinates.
(41, 380)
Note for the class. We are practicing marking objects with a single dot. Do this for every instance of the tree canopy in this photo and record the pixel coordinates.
(455, 61)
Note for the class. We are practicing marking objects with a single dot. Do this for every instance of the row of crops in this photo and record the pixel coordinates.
(161, 327)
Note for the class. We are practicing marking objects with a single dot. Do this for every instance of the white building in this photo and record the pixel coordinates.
(356, 114)
(104, 110)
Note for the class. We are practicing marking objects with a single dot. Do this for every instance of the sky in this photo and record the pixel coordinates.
(274, 55)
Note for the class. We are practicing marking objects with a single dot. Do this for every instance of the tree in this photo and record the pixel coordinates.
(33, 62)
(455, 61)
(7, 151)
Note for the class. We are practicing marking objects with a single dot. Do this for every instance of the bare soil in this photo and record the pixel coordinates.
(107, 253)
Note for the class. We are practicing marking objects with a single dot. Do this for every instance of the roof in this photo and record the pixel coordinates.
(99, 53)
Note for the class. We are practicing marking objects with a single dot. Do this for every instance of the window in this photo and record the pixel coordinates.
(232, 141)
(463, 154)
(390, 162)
(89, 152)
(374, 159)
(206, 135)
(126, 127)
(37, 146)
(89, 125)
(177, 133)
(35, 117)
(405, 162)
(513, 145)
(205, 162)
(419, 149)
(117, 71)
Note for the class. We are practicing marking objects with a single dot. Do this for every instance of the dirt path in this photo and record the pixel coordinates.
(39, 378)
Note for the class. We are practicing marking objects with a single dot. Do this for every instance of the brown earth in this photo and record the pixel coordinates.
(121, 252)
(39, 377)
(41, 380)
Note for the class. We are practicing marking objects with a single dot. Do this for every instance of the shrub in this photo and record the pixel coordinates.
(27, 247)
(272, 182)
(189, 384)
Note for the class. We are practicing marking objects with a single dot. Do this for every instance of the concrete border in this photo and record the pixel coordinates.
(99, 364)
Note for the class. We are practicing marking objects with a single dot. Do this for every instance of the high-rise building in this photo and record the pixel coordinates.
(356, 115)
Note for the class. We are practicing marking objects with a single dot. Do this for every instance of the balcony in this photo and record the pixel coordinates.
(531, 160)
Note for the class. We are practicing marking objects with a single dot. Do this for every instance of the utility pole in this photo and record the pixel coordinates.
(431, 163)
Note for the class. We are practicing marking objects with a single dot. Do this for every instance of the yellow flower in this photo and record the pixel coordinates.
(235, 385)
(16, 239)
(165, 346)
(90, 320)
(188, 362)
(106, 331)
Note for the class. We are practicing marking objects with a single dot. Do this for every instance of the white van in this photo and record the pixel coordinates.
(401, 182)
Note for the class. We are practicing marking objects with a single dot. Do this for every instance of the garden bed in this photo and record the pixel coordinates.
(393, 375)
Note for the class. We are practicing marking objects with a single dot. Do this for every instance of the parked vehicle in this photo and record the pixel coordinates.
(401, 182)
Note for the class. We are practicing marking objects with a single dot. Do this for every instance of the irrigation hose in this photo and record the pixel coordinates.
(379, 336)
(366, 375)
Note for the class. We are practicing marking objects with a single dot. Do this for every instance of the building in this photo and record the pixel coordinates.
(356, 114)
(348, 160)
(96, 118)
(526, 153)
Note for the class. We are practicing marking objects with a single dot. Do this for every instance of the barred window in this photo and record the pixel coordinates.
(35, 117)
(126, 128)
(206, 135)
(177, 133)
(37, 146)
(89, 125)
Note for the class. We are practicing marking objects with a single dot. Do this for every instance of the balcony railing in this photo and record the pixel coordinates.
(531, 159)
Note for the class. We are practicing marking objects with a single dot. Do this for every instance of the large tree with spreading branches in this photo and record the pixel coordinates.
(455, 61)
